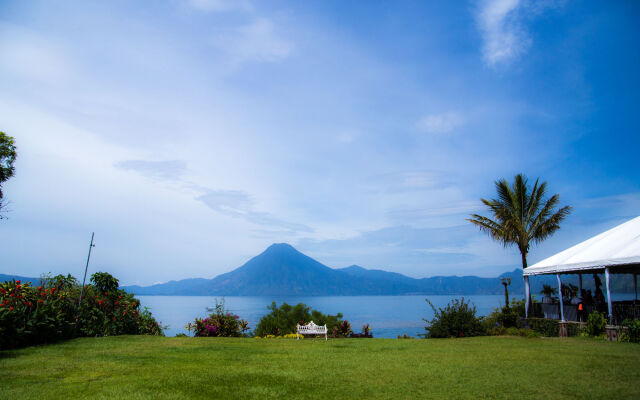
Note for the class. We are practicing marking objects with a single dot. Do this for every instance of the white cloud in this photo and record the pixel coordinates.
(440, 123)
(257, 41)
(238, 204)
(159, 170)
(504, 33)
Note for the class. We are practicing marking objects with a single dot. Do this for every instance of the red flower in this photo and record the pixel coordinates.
(39, 287)
(53, 289)
(106, 293)
(124, 313)
(114, 317)
(10, 308)
(40, 301)
(19, 286)
(18, 282)
(100, 302)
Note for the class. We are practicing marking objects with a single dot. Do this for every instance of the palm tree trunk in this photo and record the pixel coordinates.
(524, 266)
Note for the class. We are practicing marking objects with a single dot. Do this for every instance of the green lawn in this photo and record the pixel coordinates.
(135, 367)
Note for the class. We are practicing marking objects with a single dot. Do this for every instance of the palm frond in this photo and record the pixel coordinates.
(493, 228)
(521, 215)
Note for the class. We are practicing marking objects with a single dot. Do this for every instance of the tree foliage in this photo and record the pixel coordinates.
(8, 156)
(521, 215)
(283, 320)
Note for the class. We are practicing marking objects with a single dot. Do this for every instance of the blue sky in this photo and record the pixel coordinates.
(191, 134)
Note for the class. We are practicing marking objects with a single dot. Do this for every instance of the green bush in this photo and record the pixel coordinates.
(524, 332)
(507, 317)
(283, 320)
(220, 323)
(104, 282)
(457, 319)
(549, 327)
(596, 324)
(633, 326)
(545, 327)
(496, 323)
(53, 311)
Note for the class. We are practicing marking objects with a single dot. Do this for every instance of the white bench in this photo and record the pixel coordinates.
(311, 329)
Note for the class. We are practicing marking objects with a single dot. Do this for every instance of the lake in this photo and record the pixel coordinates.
(389, 316)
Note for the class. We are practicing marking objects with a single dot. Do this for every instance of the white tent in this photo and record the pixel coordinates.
(614, 251)
(618, 248)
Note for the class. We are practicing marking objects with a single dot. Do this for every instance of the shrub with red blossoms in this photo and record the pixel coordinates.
(53, 311)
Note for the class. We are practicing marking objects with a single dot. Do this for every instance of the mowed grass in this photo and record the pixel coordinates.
(138, 367)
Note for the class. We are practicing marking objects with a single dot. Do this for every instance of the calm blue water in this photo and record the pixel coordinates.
(389, 316)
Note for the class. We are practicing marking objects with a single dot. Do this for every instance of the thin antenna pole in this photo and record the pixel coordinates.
(87, 266)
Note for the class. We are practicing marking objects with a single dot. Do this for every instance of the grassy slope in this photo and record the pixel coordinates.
(177, 368)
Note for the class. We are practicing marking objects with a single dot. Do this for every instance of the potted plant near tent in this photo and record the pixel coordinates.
(548, 291)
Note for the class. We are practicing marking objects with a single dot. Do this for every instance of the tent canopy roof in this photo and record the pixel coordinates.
(618, 248)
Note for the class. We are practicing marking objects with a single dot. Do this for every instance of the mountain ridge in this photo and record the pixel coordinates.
(282, 270)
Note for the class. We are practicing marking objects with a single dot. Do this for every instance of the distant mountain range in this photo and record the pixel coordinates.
(4, 278)
(281, 270)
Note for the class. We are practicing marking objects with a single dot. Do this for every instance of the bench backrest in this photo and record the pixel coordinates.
(312, 328)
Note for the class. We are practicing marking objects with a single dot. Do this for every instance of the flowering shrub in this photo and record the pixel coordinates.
(366, 332)
(405, 336)
(53, 311)
(342, 330)
(220, 323)
(287, 336)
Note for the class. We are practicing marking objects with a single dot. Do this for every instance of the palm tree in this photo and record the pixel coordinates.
(521, 216)
(506, 282)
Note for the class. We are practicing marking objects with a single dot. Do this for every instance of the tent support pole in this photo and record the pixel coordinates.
(635, 285)
(526, 296)
(560, 292)
(609, 305)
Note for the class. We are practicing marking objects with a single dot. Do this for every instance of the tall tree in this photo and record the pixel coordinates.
(7, 158)
(521, 215)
